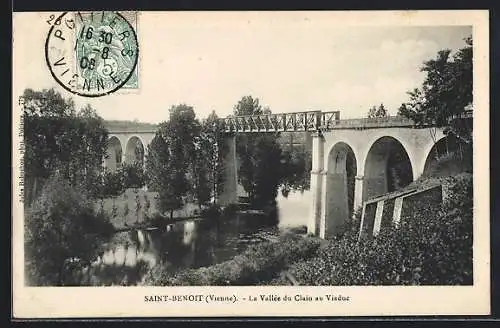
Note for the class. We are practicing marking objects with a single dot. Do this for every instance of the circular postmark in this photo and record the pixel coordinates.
(92, 54)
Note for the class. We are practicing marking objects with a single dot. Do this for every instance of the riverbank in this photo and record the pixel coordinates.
(259, 263)
(180, 244)
(423, 251)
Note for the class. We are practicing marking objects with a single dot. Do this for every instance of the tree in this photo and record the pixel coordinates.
(170, 164)
(259, 155)
(60, 140)
(202, 165)
(379, 111)
(213, 149)
(296, 165)
(445, 94)
(112, 184)
(185, 159)
(156, 162)
(160, 177)
(87, 156)
(61, 228)
(180, 132)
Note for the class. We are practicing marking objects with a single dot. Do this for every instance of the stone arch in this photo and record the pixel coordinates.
(339, 186)
(134, 151)
(113, 153)
(387, 168)
(444, 148)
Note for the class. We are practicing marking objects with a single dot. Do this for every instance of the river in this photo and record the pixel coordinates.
(197, 243)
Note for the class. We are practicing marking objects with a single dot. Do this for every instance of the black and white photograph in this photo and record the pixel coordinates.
(297, 159)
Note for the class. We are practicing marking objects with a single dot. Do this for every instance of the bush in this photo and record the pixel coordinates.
(450, 164)
(211, 212)
(61, 231)
(426, 250)
(259, 263)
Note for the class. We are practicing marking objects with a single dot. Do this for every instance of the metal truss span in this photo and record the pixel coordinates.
(294, 122)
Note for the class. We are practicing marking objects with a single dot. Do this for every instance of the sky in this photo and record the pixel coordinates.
(291, 62)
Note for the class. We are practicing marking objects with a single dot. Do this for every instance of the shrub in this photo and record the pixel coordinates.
(61, 231)
(212, 212)
(450, 164)
(425, 250)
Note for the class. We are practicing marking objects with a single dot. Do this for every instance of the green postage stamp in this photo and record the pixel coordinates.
(94, 53)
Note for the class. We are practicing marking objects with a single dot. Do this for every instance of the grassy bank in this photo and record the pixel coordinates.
(425, 250)
(258, 264)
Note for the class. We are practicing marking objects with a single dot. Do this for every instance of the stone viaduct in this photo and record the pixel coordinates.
(127, 142)
(361, 159)
(353, 160)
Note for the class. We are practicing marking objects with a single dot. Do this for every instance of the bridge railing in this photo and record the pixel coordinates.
(307, 121)
(300, 121)
(360, 123)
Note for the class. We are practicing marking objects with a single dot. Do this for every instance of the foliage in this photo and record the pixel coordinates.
(157, 158)
(170, 167)
(259, 155)
(258, 263)
(59, 139)
(295, 168)
(212, 212)
(379, 111)
(425, 250)
(185, 159)
(211, 155)
(161, 177)
(133, 175)
(181, 132)
(206, 160)
(446, 92)
(112, 184)
(61, 227)
(449, 164)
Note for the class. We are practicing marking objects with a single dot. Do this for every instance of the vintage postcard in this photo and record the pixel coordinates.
(217, 164)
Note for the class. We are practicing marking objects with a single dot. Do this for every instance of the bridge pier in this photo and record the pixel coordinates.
(316, 187)
(229, 194)
(335, 204)
(358, 192)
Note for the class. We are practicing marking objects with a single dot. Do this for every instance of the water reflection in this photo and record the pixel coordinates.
(294, 209)
(197, 243)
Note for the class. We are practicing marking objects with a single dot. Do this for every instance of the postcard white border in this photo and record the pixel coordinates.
(69, 302)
